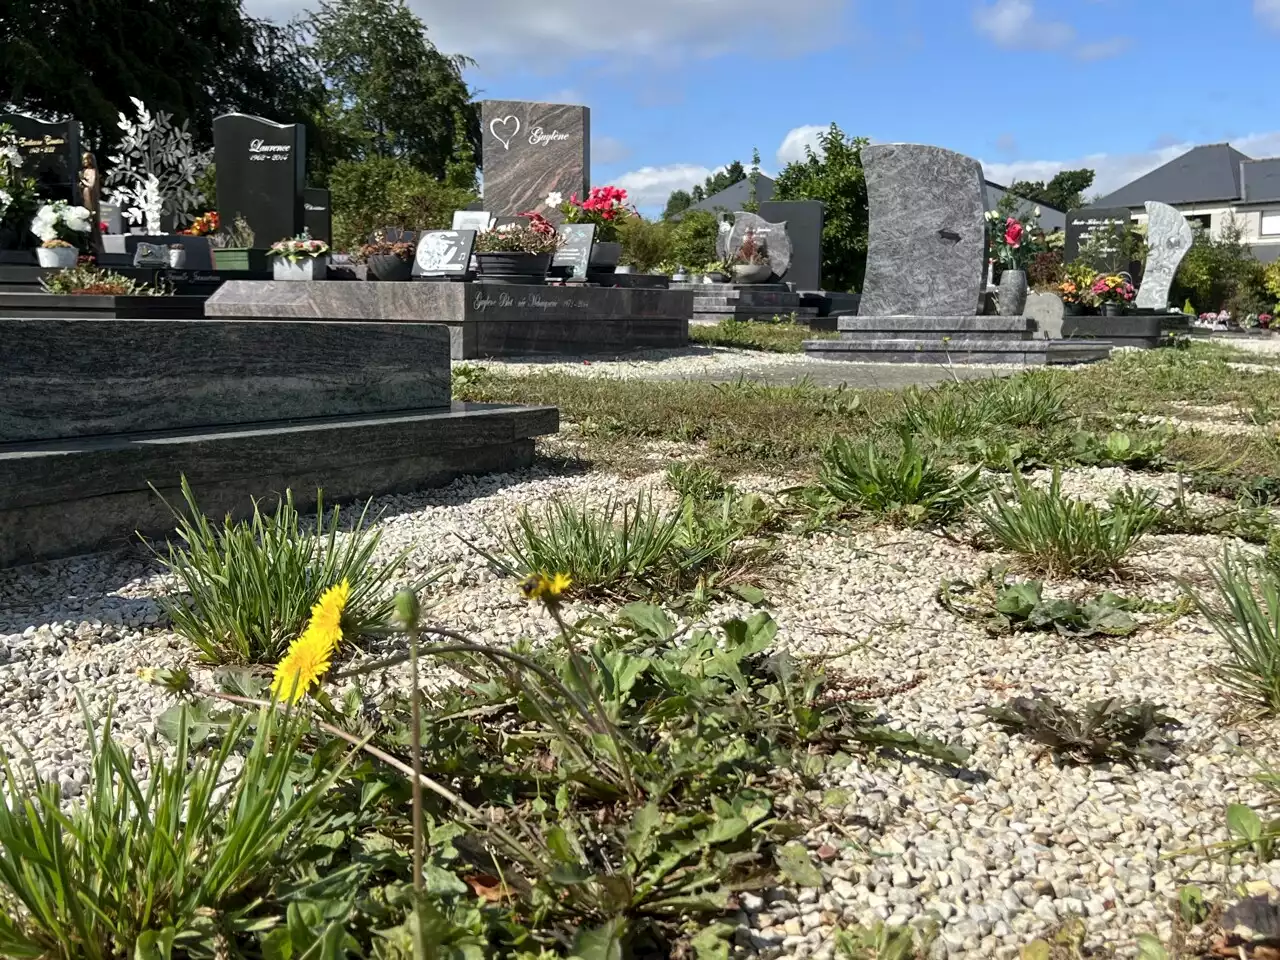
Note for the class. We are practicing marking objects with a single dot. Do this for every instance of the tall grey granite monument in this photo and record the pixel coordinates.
(530, 150)
(927, 232)
(1169, 238)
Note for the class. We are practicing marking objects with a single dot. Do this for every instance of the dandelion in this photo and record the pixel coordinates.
(545, 587)
(310, 655)
(147, 674)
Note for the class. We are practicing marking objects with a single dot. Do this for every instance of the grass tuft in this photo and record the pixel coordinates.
(1244, 608)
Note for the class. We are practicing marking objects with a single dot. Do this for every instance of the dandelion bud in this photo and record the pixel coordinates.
(407, 609)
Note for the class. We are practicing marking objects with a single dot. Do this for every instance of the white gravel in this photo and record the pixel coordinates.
(997, 853)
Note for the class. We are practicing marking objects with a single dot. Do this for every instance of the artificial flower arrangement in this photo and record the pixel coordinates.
(752, 252)
(203, 225)
(59, 224)
(606, 207)
(538, 236)
(1079, 282)
(380, 246)
(1013, 240)
(298, 248)
(1112, 288)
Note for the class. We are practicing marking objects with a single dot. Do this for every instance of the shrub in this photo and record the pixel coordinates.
(1061, 536)
(251, 584)
(368, 195)
(645, 243)
(1221, 272)
(696, 481)
(692, 241)
(904, 485)
(1245, 611)
(1045, 269)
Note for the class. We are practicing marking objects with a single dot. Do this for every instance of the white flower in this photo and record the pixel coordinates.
(1037, 211)
(6, 198)
(554, 199)
(77, 219)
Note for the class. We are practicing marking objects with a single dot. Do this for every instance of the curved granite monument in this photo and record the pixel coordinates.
(926, 237)
(1169, 238)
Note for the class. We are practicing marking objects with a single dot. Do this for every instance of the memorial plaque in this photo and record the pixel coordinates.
(477, 220)
(317, 215)
(261, 169)
(804, 220)
(777, 244)
(926, 239)
(1107, 222)
(444, 253)
(50, 154)
(575, 251)
(151, 255)
(531, 150)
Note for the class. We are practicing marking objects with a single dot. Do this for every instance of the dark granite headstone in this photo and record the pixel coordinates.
(531, 150)
(804, 220)
(261, 170)
(927, 232)
(477, 220)
(317, 216)
(1082, 225)
(50, 154)
(444, 253)
(777, 244)
(575, 252)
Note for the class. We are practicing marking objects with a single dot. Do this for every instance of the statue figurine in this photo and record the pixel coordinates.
(91, 197)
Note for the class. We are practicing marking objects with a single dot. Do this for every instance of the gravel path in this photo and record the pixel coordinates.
(997, 853)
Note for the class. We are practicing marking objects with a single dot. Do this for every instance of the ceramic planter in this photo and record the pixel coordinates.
(1012, 299)
(604, 257)
(751, 272)
(253, 259)
(390, 268)
(60, 258)
(513, 267)
(305, 268)
(177, 258)
(715, 276)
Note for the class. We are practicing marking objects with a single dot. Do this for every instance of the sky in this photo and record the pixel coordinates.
(679, 88)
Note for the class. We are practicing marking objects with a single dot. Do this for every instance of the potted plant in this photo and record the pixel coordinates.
(1076, 289)
(299, 258)
(1012, 242)
(515, 252)
(751, 262)
(718, 271)
(234, 250)
(605, 207)
(1112, 292)
(390, 261)
(61, 229)
(85, 279)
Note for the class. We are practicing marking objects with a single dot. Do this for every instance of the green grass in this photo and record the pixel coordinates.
(1244, 608)
(781, 335)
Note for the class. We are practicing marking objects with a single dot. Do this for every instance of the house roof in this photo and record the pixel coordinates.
(1260, 181)
(733, 197)
(1051, 218)
(1207, 174)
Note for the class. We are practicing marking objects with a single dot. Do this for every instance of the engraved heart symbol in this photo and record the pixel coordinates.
(504, 123)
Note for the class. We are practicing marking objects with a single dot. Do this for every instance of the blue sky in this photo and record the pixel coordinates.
(679, 87)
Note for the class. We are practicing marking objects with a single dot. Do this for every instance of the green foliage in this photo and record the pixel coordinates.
(883, 942)
(903, 485)
(692, 241)
(677, 203)
(1244, 608)
(696, 481)
(645, 243)
(1021, 606)
(1061, 536)
(1104, 730)
(249, 586)
(1220, 272)
(182, 859)
(1138, 451)
(207, 184)
(378, 192)
(1064, 192)
(833, 174)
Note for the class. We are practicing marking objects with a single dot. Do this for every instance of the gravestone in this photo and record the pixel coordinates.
(1169, 237)
(804, 220)
(444, 253)
(927, 232)
(575, 251)
(774, 236)
(110, 214)
(261, 170)
(50, 153)
(1083, 225)
(1046, 312)
(477, 220)
(317, 216)
(531, 150)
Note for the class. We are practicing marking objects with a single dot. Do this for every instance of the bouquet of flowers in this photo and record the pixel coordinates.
(380, 246)
(1013, 239)
(752, 251)
(604, 206)
(298, 247)
(59, 224)
(1112, 288)
(538, 236)
(203, 225)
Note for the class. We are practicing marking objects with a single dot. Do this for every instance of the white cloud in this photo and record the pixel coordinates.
(519, 33)
(1015, 25)
(793, 144)
(1268, 11)
(649, 187)
(1114, 170)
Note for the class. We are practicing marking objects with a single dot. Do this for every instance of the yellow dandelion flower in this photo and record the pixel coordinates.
(310, 655)
(545, 587)
(326, 615)
(147, 674)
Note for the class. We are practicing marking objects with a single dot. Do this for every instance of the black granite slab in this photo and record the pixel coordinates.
(974, 351)
(32, 305)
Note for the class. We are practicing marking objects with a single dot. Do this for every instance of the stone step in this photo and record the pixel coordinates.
(959, 351)
(934, 328)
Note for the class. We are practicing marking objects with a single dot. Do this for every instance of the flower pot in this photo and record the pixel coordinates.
(253, 259)
(1070, 309)
(513, 267)
(390, 268)
(751, 272)
(1012, 299)
(177, 258)
(715, 276)
(305, 268)
(604, 257)
(56, 258)
(1113, 309)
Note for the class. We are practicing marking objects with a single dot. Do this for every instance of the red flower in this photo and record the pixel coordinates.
(1013, 233)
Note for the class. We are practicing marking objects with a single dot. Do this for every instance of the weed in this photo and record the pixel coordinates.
(1105, 730)
(1245, 611)
(1014, 607)
(696, 480)
(1058, 535)
(883, 942)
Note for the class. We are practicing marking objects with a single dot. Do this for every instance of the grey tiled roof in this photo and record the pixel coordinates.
(1051, 218)
(1260, 181)
(1207, 174)
(733, 197)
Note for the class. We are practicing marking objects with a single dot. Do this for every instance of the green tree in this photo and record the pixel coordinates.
(693, 239)
(1064, 192)
(753, 203)
(367, 195)
(390, 92)
(724, 179)
(833, 174)
(678, 202)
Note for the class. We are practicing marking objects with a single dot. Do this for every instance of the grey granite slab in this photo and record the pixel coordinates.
(934, 328)
(984, 351)
(1169, 237)
(82, 378)
(927, 231)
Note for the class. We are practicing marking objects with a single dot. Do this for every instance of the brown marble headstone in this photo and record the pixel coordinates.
(533, 149)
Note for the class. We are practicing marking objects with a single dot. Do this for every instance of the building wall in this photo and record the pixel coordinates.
(1250, 218)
